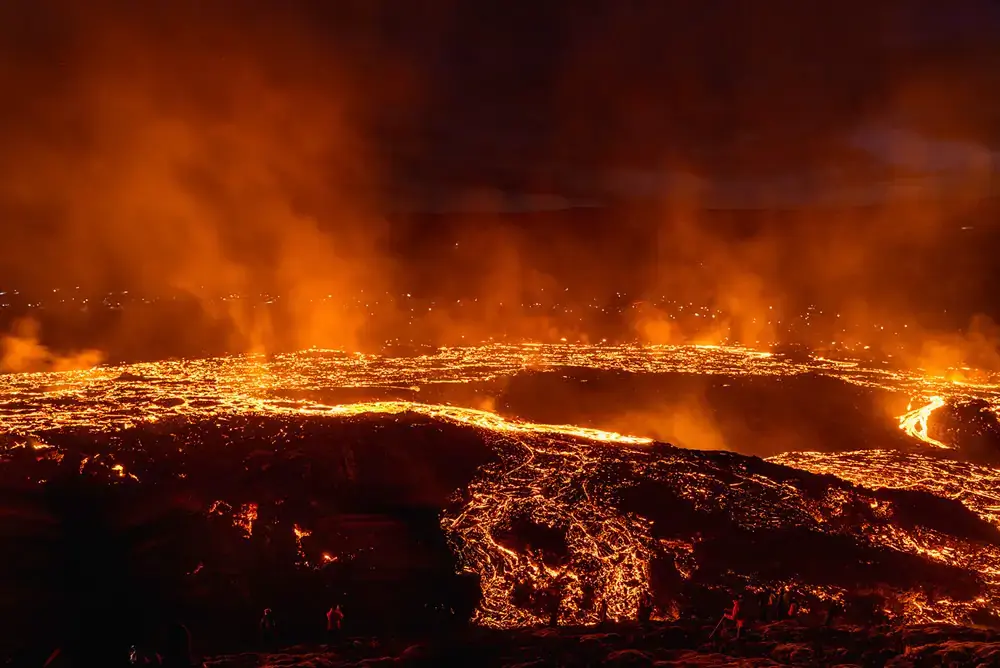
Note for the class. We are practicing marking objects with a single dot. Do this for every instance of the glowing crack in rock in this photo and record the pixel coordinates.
(976, 487)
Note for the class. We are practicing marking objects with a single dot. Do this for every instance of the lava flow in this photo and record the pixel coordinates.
(914, 422)
(975, 487)
(575, 481)
(113, 396)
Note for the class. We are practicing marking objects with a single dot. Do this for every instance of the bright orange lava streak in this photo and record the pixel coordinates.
(471, 417)
(914, 422)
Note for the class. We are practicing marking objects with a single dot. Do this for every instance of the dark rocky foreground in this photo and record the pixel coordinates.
(788, 643)
(95, 559)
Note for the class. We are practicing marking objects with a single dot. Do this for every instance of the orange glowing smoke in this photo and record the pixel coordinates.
(210, 152)
(21, 352)
(199, 151)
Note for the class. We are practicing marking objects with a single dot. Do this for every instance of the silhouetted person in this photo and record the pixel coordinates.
(786, 603)
(268, 632)
(832, 612)
(553, 602)
(176, 650)
(645, 607)
(764, 604)
(793, 608)
(602, 612)
(334, 622)
(737, 615)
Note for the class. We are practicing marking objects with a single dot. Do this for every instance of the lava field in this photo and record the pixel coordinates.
(206, 490)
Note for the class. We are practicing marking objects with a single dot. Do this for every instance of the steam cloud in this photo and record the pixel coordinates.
(206, 149)
(219, 148)
(20, 351)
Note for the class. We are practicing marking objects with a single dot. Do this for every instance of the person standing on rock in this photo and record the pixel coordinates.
(645, 607)
(553, 602)
(832, 612)
(793, 607)
(765, 601)
(786, 603)
(334, 621)
(736, 615)
(268, 632)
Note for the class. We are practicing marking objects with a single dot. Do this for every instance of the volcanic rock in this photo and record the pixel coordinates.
(211, 521)
(787, 644)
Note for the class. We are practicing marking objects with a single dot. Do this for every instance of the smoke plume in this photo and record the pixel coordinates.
(198, 149)
(21, 351)
(746, 161)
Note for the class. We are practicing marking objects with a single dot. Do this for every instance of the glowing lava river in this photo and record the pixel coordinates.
(598, 516)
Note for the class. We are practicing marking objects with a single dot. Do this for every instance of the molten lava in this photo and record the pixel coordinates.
(111, 396)
(557, 475)
(914, 422)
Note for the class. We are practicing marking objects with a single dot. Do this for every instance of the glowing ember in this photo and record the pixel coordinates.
(246, 516)
(301, 533)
